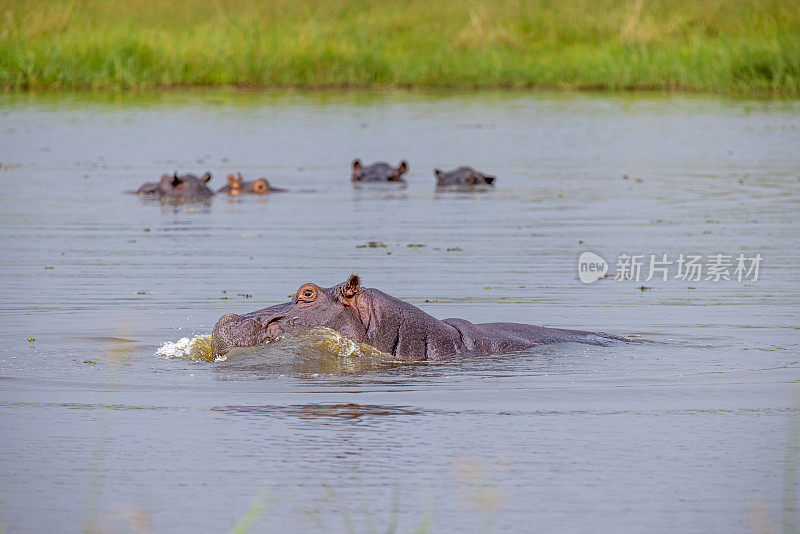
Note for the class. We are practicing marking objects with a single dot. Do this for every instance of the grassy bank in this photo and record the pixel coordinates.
(698, 45)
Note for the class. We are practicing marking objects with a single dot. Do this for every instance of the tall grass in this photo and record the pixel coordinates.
(700, 45)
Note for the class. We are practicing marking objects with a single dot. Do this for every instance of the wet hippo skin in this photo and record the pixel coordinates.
(390, 325)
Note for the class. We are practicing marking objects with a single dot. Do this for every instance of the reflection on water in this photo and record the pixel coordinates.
(344, 412)
(624, 438)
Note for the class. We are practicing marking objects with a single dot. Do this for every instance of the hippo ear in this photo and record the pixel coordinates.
(206, 177)
(356, 164)
(403, 167)
(351, 287)
(234, 182)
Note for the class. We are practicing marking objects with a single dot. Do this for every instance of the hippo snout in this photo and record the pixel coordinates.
(235, 331)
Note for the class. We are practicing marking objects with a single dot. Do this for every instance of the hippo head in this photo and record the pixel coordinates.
(462, 176)
(237, 186)
(341, 308)
(378, 172)
(187, 186)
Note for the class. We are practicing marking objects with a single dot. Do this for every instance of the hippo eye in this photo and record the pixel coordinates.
(307, 294)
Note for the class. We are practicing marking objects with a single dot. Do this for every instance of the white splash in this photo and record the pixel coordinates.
(195, 348)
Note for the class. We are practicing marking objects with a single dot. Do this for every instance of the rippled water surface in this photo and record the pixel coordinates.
(696, 429)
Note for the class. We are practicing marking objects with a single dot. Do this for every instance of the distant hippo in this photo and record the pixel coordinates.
(237, 186)
(175, 187)
(462, 176)
(379, 172)
(390, 325)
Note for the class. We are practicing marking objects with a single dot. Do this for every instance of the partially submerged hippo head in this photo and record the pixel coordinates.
(339, 307)
(379, 172)
(179, 187)
(237, 186)
(462, 176)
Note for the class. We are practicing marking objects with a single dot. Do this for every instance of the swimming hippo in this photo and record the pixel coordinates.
(237, 186)
(175, 187)
(379, 172)
(462, 176)
(390, 325)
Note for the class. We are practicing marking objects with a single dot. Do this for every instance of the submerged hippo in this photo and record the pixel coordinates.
(379, 172)
(390, 325)
(175, 187)
(237, 186)
(462, 176)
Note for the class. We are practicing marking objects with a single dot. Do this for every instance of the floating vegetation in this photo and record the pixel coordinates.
(372, 244)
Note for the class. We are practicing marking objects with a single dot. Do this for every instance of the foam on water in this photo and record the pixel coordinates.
(195, 348)
(319, 340)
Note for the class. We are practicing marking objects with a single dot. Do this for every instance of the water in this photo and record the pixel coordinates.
(696, 428)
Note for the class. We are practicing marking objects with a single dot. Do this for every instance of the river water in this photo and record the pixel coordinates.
(695, 428)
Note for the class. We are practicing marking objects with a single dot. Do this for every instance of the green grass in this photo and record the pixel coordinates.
(729, 46)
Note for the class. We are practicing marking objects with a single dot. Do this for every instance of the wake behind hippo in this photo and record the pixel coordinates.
(390, 325)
